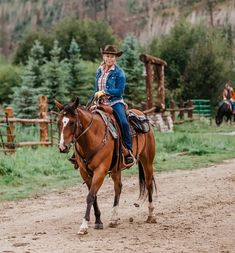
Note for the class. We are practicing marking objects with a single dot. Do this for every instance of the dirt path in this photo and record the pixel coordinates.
(195, 212)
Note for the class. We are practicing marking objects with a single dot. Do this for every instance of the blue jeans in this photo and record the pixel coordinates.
(120, 113)
(232, 105)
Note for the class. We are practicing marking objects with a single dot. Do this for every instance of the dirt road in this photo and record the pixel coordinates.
(195, 212)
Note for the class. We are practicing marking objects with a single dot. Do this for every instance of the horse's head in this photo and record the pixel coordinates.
(218, 120)
(67, 124)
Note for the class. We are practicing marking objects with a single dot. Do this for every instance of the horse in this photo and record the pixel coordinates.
(94, 152)
(224, 110)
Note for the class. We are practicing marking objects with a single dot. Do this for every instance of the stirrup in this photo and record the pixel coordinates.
(128, 164)
(74, 162)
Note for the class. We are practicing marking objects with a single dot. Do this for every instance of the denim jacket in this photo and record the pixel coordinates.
(115, 84)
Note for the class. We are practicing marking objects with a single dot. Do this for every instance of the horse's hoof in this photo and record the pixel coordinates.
(151, 219)
(82, 231)
(99, 226)
(113, 224)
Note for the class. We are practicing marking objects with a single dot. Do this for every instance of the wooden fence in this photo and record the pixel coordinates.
(44, 125)
(179, 114)
(184, 109)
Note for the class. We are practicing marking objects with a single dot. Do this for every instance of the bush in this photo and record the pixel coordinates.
(199, 61)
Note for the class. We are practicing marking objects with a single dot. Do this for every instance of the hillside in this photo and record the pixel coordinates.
(145, 19)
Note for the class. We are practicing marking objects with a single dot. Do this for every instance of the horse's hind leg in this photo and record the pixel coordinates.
(146, 180)
(117, 188)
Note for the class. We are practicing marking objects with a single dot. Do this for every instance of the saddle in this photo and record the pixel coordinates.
(138, 124)
(229, 103)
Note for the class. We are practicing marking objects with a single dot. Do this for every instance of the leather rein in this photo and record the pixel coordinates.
(86, 160)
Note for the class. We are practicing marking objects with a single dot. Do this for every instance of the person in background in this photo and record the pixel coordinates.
(110, 84)
(229, 94)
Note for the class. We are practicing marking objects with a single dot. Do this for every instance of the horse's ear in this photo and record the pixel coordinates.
(59, 105)
(76, 103)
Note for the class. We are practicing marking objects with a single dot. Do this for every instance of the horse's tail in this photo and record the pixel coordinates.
(142, 184)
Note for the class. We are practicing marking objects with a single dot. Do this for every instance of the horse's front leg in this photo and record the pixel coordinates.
(117, 188)
(97, 181)
(98, 222)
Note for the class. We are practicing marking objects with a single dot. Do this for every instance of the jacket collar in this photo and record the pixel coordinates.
(101, 67)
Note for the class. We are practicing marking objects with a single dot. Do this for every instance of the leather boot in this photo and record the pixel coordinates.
(72, 159)
(129, 159)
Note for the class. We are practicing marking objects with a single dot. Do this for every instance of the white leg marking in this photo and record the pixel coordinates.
(84, 227)
(114, 219)
(151, 217)
(115, 213)
(151, 208)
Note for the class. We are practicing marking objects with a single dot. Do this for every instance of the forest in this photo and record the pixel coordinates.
(59, 57)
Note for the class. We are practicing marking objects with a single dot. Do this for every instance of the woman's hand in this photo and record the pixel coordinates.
(99, 94)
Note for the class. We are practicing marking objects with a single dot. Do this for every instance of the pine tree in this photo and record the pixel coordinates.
(79, 83)
(25, 97)
(57, 77)
(133, 68)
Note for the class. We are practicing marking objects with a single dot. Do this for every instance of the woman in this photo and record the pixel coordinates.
(229, 94)
(110, 85)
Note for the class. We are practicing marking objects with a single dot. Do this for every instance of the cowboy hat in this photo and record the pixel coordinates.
(110, 49)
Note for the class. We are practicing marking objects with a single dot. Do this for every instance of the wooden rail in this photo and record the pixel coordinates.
(43, 121)
(174, 109)
(181, 109)
(18, 120)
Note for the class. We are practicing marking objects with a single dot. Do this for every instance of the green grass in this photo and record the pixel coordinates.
(31, 172)
(34, 171)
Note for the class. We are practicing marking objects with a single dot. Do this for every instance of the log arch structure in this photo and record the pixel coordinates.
(154, 68)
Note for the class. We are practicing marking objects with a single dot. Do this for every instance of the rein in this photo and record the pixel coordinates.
(82, 133)
(87, 107)
(88, 158)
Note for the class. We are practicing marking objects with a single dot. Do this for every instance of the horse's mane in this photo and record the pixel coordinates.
(69, 108)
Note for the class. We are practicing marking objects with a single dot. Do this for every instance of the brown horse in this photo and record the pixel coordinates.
(94, 151)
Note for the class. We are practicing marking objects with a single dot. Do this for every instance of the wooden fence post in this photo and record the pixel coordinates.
(43, 107)
(190, 112)
(160, 85)
(10, 130)
(149, 78)
(172, 106)
(181, 106)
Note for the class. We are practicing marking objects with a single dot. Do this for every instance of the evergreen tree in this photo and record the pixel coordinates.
(57, 77)
(79, 83)
(135, 90)
(25, 97)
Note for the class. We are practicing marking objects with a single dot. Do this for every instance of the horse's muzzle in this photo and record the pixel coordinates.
(64, 148)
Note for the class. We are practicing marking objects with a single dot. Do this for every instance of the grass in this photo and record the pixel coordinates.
(34, 171)
(30, 172)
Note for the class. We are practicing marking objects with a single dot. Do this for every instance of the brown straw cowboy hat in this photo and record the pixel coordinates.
(110, 49)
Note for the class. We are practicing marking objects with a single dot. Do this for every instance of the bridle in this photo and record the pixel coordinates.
(92, 153)
(79, 125)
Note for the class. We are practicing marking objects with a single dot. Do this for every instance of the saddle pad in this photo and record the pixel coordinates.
(108, 123)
